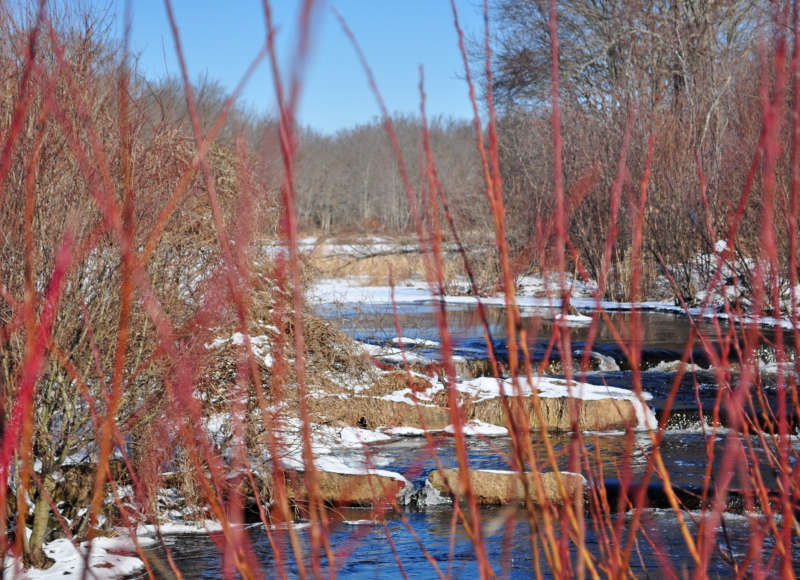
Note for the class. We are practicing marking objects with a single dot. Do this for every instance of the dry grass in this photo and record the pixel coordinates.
(381, 269)
(371, 413)
(392, 381)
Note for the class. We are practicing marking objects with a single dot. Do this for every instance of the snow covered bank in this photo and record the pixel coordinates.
(109, 558)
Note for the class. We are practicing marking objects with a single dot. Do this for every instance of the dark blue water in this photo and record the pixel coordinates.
(363, 551)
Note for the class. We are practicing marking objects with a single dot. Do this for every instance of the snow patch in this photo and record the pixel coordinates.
(328, 444)
(179, 527)
(348, 291)
(260, 345)
(674, 366)
(574, 320)
(405, 431)
(605, 363)
(510, 472)
(393, 355)
(406, 341)
(110, 558)
(476, 427)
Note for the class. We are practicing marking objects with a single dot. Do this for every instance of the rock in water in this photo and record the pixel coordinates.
(500, 487)
(592, 415)
(352, 489)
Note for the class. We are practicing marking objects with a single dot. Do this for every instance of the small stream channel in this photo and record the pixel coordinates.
(363, 546)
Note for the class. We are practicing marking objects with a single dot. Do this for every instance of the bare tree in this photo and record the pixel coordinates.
(684, 70)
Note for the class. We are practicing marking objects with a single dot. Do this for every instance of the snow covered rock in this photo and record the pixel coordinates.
(593, 407)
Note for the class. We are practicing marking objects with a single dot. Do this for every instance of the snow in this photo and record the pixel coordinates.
(355, 436)
(476, 427)
(179, 527)
(406, 341)
(605, 363)
(110, 558)
(406, 431)
(401, 356)
(510, 472)
(414, 397)
(394, 355)
(260, 345)
(347, 290)
(541, 292)
(574, 319)
(674, 366)
(326, 440)
(335, 464)
(218, 426)
(489, 388)
(775, 368)
(328, 444)
(363, 246)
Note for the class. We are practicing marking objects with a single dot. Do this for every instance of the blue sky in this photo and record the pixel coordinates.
(220, 38)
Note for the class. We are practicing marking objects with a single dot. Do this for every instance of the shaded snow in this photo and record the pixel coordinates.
(405, 431)
(260, 345)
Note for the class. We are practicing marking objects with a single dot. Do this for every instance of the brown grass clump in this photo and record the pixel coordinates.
(371, 413)
(502, 488)
(464, 400)
(391, 381)
(330, 350)
(379, 269)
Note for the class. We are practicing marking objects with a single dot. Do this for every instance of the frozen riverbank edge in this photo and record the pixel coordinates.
(352, 291)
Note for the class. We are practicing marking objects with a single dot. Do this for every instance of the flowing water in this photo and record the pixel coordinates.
(371, 549)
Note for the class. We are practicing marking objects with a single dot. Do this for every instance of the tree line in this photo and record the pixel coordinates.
(350, 181)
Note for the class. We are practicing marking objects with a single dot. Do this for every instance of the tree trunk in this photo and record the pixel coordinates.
(34, 553)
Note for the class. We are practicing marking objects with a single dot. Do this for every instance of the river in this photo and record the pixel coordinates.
(361, 544)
